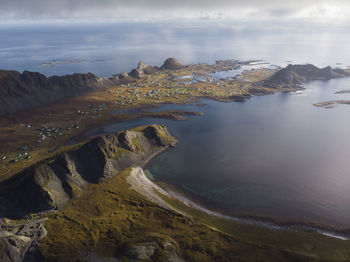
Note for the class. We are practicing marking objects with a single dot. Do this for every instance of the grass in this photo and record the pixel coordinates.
(296, 242)
(110, 217)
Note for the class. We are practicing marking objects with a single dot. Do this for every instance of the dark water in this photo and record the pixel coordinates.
(274, 155)
(106, 49)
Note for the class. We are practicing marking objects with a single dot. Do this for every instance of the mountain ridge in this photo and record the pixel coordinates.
(295, 75)
(52, 183)
(27, 90)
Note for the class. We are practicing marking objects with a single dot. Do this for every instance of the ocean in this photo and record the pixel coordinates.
(275, 156)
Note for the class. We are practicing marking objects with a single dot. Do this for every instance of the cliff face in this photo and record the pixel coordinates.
(295, 75)
(52, 183)
(30, 89)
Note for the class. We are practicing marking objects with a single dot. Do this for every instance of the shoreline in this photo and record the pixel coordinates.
(250, 218)
(185, 100)
(252, 221)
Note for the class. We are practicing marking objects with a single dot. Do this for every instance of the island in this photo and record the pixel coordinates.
(332, 104)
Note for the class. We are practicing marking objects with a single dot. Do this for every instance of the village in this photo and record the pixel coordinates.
(174, 86)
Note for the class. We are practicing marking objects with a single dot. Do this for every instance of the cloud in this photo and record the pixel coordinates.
(116, 10)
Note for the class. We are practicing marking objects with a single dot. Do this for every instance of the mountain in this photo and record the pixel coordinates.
(145, 69)
(52, 183)
(171, 64)
(142, 69)
(295, 75)
(19, 92)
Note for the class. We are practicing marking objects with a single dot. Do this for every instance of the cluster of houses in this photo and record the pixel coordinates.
(46, 132)
(25, 125)
(92, 110)
(124, 100)
(173, 90)
(23, 155)
(19, 156)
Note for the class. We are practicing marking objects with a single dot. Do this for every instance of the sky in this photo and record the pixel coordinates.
(40, 11)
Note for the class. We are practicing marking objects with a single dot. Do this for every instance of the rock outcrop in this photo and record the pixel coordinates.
(52, 183)
(122, 78)
(296, 75)
(142, 70)
(20, 92)
(19, 239)
(171, 64)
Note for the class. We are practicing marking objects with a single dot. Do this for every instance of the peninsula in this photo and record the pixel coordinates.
(91, 201)
(94, 203)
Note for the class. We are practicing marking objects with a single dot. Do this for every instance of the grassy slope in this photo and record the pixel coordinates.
(110, 217)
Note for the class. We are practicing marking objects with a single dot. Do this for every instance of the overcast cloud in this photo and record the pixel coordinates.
(134, 10)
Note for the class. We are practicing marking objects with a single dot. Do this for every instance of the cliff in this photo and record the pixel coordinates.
(295, 75)
(52, 183)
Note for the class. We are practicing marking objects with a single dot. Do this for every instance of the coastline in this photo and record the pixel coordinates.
(252, 221)
(277, 222)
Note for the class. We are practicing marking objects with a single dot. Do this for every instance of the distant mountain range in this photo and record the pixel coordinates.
(23, 91)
